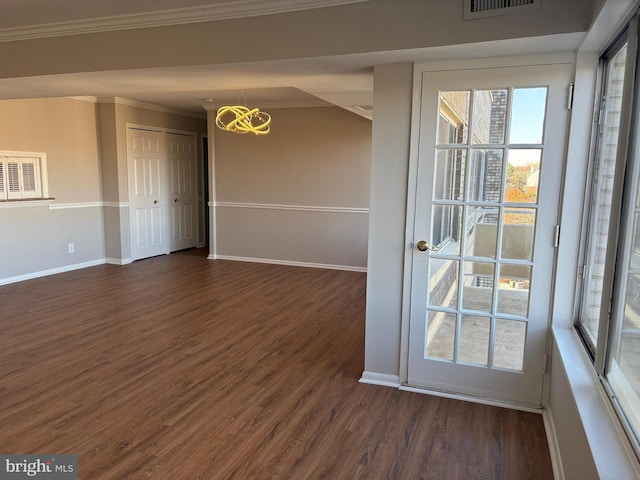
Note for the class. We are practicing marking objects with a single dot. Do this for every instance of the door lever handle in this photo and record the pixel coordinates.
(423, 246)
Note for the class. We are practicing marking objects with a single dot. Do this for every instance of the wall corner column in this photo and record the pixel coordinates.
(392, 98)
(211, 201)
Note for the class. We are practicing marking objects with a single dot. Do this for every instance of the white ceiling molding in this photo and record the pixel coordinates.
(271, 105)
(84, 98)
(149, 106)
(218, 11)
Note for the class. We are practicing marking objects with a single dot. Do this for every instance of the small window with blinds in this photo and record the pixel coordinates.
(22, 176)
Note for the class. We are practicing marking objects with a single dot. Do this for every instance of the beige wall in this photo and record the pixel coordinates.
(389, 177)
(35, 238)
(85, 145)
(66, 130)
(313, 157)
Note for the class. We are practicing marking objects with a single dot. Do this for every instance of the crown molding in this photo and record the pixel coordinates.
(208, 13)
(311, 103)
(84, 98)
(150, 106)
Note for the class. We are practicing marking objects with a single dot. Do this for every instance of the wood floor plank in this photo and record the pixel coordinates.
(179, 367)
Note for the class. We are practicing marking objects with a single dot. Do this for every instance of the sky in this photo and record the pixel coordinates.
(527, 121)
(528, 114)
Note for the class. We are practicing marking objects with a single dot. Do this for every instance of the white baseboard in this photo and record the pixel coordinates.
(554, 447)
(470, 398)
(118, 261)
(382, 379)
(50, 271)
(290, 263)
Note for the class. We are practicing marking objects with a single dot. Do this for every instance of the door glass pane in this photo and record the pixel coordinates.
(449, 175)
(477, 293)
(485, 175)
(474, 339)
(441, 334)
(482, 231)
(527, 116)
(513, 292)
(489, 115)
(517, 233)
(453, 124)
(602, 194)
(523, 173)
(443, 283)
(445, 229)
(509, 344)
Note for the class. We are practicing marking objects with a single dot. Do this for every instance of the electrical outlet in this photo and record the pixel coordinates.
(72, 248)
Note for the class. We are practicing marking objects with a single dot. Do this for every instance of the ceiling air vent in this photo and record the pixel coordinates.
(491, 8)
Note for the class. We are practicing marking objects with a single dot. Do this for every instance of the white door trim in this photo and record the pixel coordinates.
(139, 126)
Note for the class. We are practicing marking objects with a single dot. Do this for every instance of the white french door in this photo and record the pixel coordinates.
(490, 162)
(182, 203)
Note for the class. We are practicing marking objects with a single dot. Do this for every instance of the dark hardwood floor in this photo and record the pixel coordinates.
(178, 367)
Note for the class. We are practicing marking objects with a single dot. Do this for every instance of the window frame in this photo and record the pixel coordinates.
(627, 168)
(607, 283)
(40, 177)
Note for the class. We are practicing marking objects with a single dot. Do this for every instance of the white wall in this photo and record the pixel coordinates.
(570, 438)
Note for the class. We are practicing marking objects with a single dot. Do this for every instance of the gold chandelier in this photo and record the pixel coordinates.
(239, 119)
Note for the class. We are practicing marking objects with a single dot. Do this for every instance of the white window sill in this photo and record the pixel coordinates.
(26, 202)
(612, 454)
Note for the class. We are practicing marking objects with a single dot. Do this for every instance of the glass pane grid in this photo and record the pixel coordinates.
(472, 339)
(528, 206)
(455, 203)
(482, 306)
(444, 256)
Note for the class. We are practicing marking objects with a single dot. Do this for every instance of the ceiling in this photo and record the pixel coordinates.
(274, 84)
(266, 84)
(22, 13)
(346, 81)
